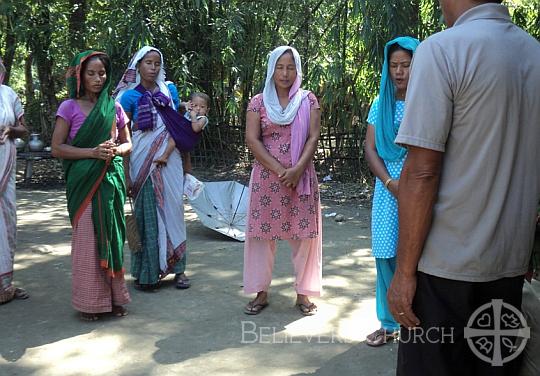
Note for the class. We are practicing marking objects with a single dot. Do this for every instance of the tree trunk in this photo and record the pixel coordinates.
(77, 24)
(210, 37)
(11, 46)
(44, 67)
(28, 80)
(40, 41)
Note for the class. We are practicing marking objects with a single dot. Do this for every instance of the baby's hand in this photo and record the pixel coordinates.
(192, 111)
(161, 161)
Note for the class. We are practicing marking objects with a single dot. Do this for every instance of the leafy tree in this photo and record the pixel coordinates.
(220, 47)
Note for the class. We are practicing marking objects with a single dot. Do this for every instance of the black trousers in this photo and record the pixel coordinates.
(438, 347)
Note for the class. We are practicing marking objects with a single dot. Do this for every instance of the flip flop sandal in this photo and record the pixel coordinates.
(380, 337)
(307, 310)
(20, 294)
(254, 309)
(182, 283)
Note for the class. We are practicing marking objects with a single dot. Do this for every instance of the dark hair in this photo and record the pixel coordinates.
(396, 47)
(288, 51)
(153, 50)
(104, 60)
(203, 96)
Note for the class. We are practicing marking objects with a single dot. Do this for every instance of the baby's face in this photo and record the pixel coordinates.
(200, 106)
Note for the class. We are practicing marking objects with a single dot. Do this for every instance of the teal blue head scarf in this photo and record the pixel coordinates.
(385, 128)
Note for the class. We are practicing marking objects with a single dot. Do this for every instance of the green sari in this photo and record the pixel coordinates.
(95, 180)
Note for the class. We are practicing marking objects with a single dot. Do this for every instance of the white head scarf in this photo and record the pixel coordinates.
(132, 77)
(276, 113)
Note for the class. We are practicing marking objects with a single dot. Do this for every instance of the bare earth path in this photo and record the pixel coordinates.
(199, 331)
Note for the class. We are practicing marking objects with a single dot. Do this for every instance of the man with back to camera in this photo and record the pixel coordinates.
(470, 186)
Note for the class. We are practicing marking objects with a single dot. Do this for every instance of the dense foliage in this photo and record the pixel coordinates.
(220, 47)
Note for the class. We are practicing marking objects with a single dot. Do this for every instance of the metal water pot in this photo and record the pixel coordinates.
(35, 143)
(19, 144)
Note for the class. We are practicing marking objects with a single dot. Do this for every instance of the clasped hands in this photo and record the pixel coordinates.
(106, 150)
(289, 177)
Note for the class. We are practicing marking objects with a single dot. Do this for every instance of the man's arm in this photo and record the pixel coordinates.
(418, 189)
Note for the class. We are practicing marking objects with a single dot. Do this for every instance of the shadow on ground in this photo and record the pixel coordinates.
(201, 330)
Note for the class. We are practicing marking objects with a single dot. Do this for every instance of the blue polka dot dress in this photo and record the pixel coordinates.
(384, 211)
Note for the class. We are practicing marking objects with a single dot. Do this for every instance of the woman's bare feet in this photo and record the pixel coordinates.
(258, 304)
(119, 311)
(88, 316)
(306, 307)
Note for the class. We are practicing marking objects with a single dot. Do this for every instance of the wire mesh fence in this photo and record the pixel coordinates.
(339, 155)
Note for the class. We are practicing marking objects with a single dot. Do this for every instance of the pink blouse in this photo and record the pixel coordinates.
(72, 113)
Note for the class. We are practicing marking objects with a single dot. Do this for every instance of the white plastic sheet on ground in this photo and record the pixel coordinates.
(222, 206)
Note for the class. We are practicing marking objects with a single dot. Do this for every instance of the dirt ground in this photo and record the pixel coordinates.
(197, 331)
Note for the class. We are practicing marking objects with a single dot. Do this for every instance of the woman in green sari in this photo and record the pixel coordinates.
(91, 137)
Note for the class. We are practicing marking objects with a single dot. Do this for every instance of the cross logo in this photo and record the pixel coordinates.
(497, 332)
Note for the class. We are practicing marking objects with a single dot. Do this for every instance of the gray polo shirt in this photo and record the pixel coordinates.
(474, 94)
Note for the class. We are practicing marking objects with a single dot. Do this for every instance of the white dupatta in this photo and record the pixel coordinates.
(276, 113)
(10, 110)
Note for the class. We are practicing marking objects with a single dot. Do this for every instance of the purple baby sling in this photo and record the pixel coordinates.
(179, 128)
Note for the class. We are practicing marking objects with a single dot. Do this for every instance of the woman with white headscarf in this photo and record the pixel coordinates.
(11, 126)
(282, 131)
(157, 189)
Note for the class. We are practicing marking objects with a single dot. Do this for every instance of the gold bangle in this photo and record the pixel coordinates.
(387, 182)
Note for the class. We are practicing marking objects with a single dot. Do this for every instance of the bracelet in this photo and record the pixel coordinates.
(387, 182)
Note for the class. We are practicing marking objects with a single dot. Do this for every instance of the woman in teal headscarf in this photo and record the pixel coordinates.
(91, 137)
(385, 160)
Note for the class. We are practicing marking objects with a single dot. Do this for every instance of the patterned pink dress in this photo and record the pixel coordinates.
(276, 211)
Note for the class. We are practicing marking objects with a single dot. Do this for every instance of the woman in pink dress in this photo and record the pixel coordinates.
(282, 131)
